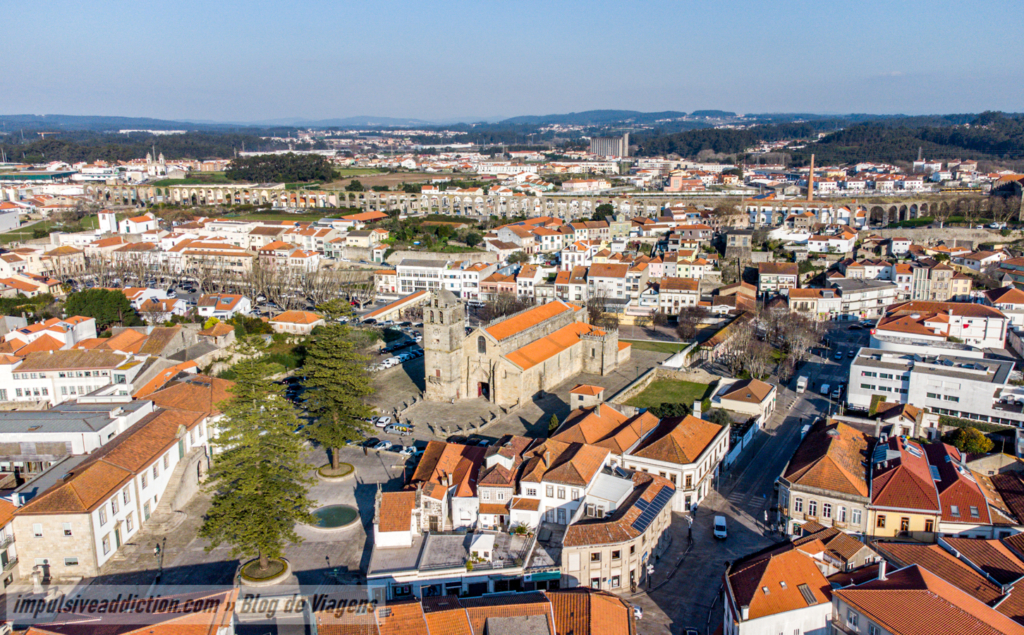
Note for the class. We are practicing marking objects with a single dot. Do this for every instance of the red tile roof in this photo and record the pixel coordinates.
(915, 601)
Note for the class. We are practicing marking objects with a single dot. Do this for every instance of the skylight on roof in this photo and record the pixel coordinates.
(954, 510)
(935, 473)
(974, 512)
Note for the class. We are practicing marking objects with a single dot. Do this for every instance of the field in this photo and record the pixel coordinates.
(387, 179)
(670, 391)
(657, 347)
(201, 178)
(28, 232)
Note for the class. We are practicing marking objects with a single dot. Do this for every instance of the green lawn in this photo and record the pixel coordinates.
(203, 179)
(657, 347)
(670, 391)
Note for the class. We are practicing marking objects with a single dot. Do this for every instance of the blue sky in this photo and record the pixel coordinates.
(259, 60)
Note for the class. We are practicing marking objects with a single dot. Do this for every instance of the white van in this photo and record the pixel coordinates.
(824, 389)
(801, 384)
(720, 531)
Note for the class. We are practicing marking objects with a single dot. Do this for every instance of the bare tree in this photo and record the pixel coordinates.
(689, 322)
(503, 304)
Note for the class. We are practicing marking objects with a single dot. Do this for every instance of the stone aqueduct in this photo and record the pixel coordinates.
(564, 207)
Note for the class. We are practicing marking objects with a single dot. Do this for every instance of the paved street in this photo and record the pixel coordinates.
(686, 586)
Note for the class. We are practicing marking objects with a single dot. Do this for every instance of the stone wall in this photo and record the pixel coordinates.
(698, 376)
(55, 546)
(927, 235)
(469, 256)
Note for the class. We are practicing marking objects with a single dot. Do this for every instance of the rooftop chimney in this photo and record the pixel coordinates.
(697, 408)
(881, 570)
(547, 458)
(745, 612)
(810, 181)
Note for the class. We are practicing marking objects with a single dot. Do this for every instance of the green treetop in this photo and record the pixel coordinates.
(336, 383)
(259, 479)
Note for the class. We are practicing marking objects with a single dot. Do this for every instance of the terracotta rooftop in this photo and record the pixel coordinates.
(531, 317)
(830, 458)
(915, 601)
(396, 511)
(619, 526)
(776, 580)
(749, 391)
(679, 440)
(546, 347)
(560, 462)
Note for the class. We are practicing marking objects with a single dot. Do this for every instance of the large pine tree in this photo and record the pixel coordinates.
(336, 383)
(259, 479)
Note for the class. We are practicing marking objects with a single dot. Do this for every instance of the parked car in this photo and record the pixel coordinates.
(382, 422)
(825, 389)
(720, 528)
(851, 353)
(383, 445)
(371, 442)
(456, 438)
(856, 327)
(638, 611)
(400, 429)
(839, 355)
(837, 392)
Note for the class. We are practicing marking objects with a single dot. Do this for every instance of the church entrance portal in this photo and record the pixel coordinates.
(483, 390)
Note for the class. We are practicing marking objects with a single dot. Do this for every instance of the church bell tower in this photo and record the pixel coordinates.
(444, 320)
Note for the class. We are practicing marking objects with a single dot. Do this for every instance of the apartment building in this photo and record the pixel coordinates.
(677, 294)
(33, 440)
(619, 531)
(58, 375)
(920, 322)
(864, 299)
(420, 275)
(826, 480)
(773, 277)
(85, 512)
(685, 450)
(816, 304)
(608, 281)
(959, 383)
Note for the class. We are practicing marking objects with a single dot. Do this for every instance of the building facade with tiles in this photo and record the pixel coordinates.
(511, 359)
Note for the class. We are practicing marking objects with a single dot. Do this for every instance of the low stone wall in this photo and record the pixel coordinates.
(698, 376)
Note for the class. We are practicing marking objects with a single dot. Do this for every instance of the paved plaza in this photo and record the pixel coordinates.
(187, 561)
(396, 390)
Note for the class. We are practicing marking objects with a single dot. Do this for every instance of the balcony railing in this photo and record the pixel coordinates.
(6, 541)
(10, 564)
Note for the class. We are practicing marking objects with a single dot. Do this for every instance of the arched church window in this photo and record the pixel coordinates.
(481, 345)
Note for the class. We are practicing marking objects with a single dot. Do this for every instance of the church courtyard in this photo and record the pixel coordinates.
(397, 387)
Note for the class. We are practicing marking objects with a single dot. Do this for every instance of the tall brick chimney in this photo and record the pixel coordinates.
(810, 181)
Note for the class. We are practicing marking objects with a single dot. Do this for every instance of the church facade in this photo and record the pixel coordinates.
(512, 358)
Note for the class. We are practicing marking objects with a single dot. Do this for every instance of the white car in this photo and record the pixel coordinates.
(383, 445)
(383, 422)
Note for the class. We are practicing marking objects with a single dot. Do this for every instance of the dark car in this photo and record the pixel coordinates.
(457, 438)
(856, 327)
(370, 321)
(369, 443)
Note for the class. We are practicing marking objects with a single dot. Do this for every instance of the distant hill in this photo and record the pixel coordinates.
(713, 114)
(594, 118)
(96, 122)
(366, 121)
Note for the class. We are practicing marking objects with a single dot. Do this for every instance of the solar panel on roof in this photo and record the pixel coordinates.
(649, 511)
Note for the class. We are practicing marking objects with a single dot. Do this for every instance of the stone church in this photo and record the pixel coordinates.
(512, 358)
